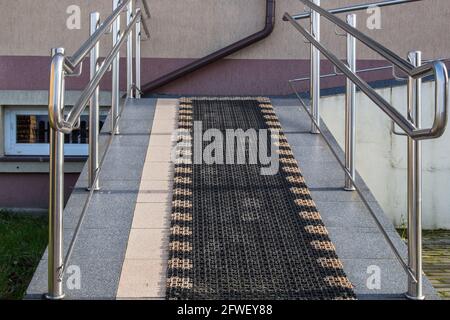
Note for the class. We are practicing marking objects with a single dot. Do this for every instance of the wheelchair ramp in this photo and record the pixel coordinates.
(236, 233)
(162, 228)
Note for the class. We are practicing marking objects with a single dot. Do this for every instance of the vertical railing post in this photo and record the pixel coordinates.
(94, 109)
(415, 186)
(138, 57)
(315, 70)
(56, 185)
(130, 15)
(115, 91)
(350, 103)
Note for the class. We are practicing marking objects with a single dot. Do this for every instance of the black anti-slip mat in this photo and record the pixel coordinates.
(238, 234)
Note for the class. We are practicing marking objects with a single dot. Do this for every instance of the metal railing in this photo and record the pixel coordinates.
(411, 124)
(357, 7)
(336, 73)
(63, 66)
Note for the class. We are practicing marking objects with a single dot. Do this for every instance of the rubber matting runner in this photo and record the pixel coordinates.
(237, 234)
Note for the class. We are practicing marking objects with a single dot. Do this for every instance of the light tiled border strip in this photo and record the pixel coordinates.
(180, 262)
(144, 269)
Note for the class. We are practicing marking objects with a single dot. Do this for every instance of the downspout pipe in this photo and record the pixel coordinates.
(218, 55)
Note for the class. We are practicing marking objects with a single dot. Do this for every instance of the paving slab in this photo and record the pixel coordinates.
(144, 271)
(99, 251)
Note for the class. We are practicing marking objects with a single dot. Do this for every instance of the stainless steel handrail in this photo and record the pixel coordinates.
(365, 70)
(389, 55)
(73, 61)
(61, 67)
(411, 124)
(437, 68)
(148, 15)
(56, 120)
(349, 176)
(82, 102)
(338, 74)
(358, 7)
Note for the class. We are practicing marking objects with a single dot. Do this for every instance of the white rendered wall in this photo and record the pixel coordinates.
(381, 156)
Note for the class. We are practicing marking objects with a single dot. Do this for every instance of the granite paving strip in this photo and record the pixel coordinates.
(143, 274)
(99, 251)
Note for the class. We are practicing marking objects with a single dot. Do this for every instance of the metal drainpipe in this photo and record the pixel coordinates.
(222, 53)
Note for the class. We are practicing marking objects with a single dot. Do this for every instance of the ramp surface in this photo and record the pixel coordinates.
(238, 234)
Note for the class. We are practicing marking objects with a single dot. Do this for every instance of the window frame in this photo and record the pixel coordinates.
(12, 148)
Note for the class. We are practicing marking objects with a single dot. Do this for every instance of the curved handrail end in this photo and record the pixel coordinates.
(56, 91)
(441, 94)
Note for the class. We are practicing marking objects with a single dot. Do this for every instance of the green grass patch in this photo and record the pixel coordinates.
(23, 240)
(403, 232)
(427, 235)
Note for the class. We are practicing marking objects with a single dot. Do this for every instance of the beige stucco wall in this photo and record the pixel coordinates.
(193, 28)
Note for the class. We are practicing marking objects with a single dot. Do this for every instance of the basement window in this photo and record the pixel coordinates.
(27, 133)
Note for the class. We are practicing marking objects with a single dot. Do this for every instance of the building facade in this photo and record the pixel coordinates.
(178, 36)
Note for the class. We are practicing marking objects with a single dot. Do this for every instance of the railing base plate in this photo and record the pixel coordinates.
(49, 297)
(409, 297)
